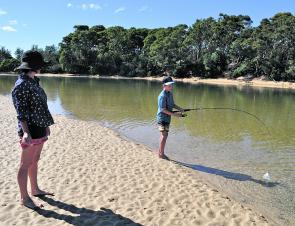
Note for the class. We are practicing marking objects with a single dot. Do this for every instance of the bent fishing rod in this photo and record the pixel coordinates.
(225, 108)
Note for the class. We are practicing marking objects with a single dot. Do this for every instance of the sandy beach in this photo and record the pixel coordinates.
(101, 178)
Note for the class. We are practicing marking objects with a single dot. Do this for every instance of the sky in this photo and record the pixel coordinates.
(46, 22)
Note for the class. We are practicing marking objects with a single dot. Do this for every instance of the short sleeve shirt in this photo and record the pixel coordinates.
(165, 101)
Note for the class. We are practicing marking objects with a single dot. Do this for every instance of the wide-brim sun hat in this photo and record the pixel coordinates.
(167, 81)
(32, 60)
(23, 66)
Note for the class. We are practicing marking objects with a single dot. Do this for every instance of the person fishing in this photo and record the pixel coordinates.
(34, 119)
(164, 113)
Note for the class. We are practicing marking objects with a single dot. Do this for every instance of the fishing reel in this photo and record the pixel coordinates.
(183, 115)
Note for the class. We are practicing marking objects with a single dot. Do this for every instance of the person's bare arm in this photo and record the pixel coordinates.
(178, 108)
(176, 114)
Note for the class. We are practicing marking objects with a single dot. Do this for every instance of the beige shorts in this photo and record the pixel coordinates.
(163, 127)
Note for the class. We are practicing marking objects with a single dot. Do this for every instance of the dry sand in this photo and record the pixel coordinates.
(99, 178)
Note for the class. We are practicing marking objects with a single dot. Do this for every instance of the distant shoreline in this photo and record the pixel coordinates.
(256, 82)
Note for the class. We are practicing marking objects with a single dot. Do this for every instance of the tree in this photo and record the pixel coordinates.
(4, 54)
(81, 28)
(215, 64)
(274, 45)
(51, 55)
(9, 64)
(226, 46)
(19, 53)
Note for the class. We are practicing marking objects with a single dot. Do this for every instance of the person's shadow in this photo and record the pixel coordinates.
(226, 174)
(83, 216)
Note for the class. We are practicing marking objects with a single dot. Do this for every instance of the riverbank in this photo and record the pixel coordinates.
(241, 81)
(101, 178)
(257, 82)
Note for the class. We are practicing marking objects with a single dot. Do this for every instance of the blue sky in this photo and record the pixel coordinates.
(44, 22)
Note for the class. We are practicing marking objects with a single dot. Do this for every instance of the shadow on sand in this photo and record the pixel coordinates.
(226, 174)
(83, 216)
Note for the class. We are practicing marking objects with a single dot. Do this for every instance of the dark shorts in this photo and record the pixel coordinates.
(163, 126)
(35, 131)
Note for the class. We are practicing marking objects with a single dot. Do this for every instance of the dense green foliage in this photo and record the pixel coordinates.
(7, 62)
(225, 47)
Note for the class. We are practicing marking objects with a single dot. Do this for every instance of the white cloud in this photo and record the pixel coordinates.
(143, 8)
(12, 22)
(8, 29)
(90, 6)
(2, 12)
(69, 5)
(121, 9)
(84, 6)
(94, 6)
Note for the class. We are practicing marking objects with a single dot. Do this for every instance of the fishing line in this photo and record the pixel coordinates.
(230, 109)
(266, 176)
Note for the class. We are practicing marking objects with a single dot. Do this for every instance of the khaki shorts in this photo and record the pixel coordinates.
(162, 126)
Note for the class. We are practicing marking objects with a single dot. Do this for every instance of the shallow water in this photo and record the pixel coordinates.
(233, 150)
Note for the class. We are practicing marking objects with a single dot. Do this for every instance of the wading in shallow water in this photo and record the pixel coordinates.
(165, 111)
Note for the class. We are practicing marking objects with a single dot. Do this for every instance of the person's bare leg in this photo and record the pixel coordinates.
(22, 177)
(163, 138)
(33, 172)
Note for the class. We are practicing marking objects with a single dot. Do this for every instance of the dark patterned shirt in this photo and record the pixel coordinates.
(30, 102)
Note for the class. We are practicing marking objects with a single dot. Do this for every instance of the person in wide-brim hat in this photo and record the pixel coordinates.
(34, 119)
(32, 60)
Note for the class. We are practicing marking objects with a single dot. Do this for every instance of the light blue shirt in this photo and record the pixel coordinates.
(165, 101)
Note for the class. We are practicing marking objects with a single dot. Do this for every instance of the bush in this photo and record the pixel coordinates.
(215, 63)
(127, 70)
(290, 73)
(241, 70)
(55, 69)
(8, 65)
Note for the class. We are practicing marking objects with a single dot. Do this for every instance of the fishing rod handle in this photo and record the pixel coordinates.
(184, 110)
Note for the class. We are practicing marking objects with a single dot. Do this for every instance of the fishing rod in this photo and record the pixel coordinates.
(225, 108)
